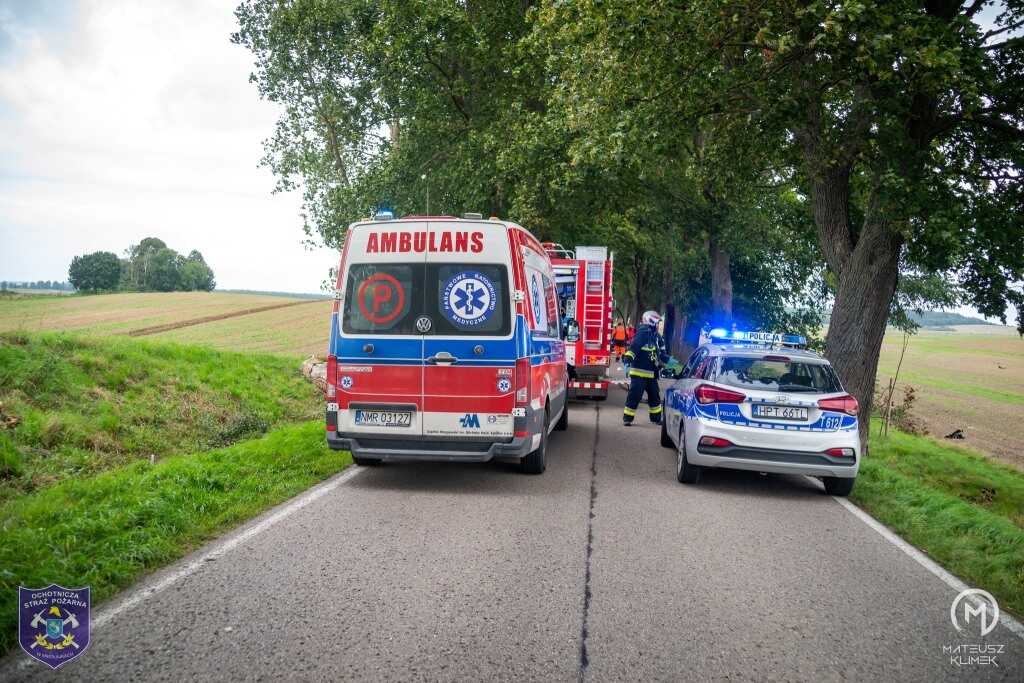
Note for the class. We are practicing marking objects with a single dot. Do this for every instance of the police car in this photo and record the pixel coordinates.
(762, 402)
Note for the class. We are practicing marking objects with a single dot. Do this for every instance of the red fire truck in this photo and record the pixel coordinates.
(583, 281)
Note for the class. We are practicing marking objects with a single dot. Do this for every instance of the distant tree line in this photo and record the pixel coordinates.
(149, 266)
(38, 284)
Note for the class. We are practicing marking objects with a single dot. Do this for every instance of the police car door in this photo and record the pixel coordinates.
(380, 345)
(469, 351)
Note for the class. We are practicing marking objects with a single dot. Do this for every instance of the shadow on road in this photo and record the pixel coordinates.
(496, 477)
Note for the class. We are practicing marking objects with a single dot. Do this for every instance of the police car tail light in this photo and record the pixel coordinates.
(840, 404)
(706, 393)
(522, 381)
(332, 376)
(714, 442)
(840, 452)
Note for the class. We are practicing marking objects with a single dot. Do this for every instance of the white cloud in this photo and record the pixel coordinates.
(139, 120)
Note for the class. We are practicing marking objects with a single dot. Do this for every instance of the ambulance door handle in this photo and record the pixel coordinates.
(442, 358)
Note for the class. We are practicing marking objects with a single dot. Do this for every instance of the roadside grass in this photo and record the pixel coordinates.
(74, 406)
(962, 509)
(107, 530)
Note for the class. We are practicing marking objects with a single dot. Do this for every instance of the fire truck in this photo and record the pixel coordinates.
(583, 282)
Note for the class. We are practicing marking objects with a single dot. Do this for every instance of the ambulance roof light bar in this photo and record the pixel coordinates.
(720, 335)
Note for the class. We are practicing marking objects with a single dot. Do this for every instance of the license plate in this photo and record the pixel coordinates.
(384, 418)
(780, 412)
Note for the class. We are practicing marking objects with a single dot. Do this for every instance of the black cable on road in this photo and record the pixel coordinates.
(584, 659)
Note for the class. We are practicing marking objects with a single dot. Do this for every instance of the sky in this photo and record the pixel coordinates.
(121, 120)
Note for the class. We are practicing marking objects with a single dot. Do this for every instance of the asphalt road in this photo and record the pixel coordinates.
(603, 568)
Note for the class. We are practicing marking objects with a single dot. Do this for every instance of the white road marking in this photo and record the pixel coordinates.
(224, 546)
(949, 579)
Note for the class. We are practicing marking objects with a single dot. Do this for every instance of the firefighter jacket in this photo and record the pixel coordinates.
(647, 352)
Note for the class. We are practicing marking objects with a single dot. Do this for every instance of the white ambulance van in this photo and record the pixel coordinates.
(445, 344)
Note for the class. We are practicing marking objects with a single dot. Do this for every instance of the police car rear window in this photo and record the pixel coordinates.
(777, 375)
(457, 299)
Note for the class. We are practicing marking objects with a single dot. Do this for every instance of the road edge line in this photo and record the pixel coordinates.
(221, 547)
(928, 563)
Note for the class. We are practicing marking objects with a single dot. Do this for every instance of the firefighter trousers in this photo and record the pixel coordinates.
(637, 387)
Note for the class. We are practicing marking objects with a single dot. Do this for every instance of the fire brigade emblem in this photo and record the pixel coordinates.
(469, 299)
(53, 623)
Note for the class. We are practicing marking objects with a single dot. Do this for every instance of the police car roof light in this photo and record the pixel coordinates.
(721, 335)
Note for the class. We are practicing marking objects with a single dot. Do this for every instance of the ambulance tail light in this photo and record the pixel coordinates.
(706, 394)
(522, 381)
(332, 377)
(840, 404)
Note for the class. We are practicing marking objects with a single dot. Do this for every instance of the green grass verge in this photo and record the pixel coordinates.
(107, 530)
(74, 406)
(965, 511)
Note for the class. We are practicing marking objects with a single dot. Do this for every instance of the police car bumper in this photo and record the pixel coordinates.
(761, 450)
(428, 450)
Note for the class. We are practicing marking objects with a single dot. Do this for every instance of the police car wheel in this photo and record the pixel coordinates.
(838, 486)
(685, 472)
(536, 462)
(365, 462)
(665, 440)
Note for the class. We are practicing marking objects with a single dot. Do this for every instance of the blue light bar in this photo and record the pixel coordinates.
(384, 214)
(721, 335)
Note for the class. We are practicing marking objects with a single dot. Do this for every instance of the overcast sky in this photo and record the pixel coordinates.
(122, 119)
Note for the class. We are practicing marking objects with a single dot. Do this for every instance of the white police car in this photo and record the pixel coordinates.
(759, 401)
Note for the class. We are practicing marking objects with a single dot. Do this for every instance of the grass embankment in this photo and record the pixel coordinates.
(105, 531)
(962, 509)
(75, 407)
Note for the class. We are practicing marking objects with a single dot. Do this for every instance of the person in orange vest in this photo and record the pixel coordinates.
(619, 340)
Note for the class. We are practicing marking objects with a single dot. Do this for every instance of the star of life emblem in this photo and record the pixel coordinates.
(469, 299)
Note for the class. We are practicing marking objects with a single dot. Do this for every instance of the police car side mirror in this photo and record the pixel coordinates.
(571, 333)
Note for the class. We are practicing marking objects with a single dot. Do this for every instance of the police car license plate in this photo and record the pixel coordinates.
(383, 418)
(779, 412)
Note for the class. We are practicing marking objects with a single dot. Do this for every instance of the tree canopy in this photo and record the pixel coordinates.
(748, 161)
(95, 272)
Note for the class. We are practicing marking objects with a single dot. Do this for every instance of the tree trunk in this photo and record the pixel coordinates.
(864, 293)
(721, 282)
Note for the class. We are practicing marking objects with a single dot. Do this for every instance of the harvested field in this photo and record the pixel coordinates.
(295, 331)
(120, 313)
(971, 378)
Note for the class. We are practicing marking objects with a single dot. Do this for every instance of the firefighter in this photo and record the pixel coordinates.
(643, 361)
(619, 339)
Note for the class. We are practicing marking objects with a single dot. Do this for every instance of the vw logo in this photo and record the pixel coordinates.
(423, 324)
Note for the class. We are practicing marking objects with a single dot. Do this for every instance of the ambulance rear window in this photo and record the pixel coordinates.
(458, 299)
(383, 298)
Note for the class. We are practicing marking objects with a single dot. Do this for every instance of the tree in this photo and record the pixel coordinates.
(196, 275)
(98, 271)
(898, 121)
(163, 270)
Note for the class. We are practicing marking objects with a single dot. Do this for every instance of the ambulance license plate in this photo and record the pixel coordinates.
(780, 412)
(383, 418)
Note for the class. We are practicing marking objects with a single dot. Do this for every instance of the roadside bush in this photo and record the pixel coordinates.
(902, 416)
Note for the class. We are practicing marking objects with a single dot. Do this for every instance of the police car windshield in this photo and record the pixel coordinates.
(775, 373)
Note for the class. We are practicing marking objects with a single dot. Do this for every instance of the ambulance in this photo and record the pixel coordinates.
(445, 343)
